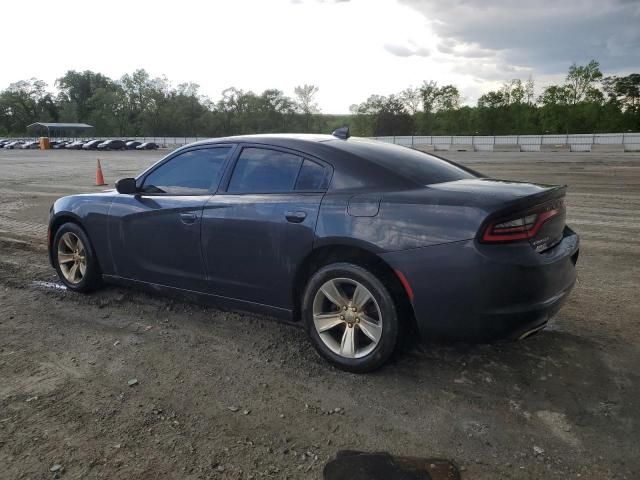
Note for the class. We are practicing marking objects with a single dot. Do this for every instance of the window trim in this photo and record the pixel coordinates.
(226, 180)
(143, 176)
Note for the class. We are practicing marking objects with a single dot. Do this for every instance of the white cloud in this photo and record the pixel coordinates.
(545, 35)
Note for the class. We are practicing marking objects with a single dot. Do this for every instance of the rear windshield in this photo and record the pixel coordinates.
(418, 166)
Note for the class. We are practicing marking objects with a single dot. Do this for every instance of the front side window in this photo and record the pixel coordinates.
(196, 172)
(260, 170)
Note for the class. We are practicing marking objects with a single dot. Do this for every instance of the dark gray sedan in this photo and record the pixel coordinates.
(112, 145)
(359, 242)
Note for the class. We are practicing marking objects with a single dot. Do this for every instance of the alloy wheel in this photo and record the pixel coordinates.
(347, 318)
(72, 258)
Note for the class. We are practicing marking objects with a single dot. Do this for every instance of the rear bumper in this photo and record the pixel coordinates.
(479, 292)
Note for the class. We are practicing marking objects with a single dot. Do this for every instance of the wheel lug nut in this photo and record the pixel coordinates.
(351, 325)
(341, 317)
(344, 308)
(353, 309)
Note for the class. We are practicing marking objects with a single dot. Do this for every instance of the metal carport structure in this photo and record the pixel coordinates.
(59, 128)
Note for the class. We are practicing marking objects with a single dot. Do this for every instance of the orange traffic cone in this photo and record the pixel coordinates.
(99, 177)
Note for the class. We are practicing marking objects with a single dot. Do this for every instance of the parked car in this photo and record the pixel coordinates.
(133, 144)
(31, 145)
(75, 145)
(91, 145)
(147, 146)
(60, 144)
(13, 144)
(112, 145)
(357, 241)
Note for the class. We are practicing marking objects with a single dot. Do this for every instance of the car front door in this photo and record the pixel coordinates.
(155, 233)
(257, 230)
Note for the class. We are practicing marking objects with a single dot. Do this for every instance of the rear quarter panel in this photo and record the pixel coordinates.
(402, 222)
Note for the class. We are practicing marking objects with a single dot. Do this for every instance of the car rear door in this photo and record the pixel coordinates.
(155, 234)
(261, 225)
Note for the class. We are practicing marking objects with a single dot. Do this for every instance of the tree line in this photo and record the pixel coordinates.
(139, 105)
(587, 102)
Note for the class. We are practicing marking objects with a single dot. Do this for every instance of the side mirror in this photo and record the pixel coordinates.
(126, 186)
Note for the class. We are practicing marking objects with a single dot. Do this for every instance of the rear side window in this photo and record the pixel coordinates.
(196, 172)
(260, 170)
(313, 176)
(414, 165)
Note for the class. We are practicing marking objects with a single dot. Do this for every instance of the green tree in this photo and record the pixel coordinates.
(429, 92)
(380, 115)
(623, 91)
(25, 102)
(581, 79)
(411, 98)
(77, 89)
(306, 101)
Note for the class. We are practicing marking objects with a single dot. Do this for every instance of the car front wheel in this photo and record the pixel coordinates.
(74, 259)
(351, 317)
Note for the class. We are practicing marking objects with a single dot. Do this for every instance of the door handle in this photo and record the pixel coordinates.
(188, 218)
(295, 217)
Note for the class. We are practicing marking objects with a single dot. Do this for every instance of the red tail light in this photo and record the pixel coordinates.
(520, 227)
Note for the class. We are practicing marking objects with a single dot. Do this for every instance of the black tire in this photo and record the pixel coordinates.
(92, 279)
(389, 317)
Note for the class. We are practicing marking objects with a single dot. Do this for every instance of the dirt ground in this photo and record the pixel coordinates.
(230, 395)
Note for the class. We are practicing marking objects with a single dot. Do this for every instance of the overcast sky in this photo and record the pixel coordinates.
(350, 49)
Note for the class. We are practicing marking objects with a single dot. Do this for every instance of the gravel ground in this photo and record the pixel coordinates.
(122, 384)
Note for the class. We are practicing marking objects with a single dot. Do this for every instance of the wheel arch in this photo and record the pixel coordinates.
(358, 255)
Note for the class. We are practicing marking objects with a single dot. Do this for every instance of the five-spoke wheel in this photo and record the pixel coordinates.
(350, 316)
(347, 317)
(74, 259)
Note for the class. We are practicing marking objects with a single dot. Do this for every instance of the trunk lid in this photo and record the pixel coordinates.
(516, 210)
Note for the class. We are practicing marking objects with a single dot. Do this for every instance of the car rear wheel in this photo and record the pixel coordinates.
(351, 317)
(75, 260)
